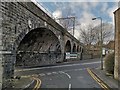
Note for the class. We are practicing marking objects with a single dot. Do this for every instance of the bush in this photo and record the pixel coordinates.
(109, 63)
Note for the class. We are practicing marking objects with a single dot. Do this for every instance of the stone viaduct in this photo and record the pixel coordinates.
(30, 37)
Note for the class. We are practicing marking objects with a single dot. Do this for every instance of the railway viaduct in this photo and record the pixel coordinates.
(31, 37)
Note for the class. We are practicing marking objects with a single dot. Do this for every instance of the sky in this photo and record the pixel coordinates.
(83, 10)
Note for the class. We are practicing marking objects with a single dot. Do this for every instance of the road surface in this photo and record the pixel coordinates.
(68, 75)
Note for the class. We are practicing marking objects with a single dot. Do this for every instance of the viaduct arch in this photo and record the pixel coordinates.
(40, 46)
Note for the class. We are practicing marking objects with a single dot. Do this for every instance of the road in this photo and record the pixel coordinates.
(68, 75)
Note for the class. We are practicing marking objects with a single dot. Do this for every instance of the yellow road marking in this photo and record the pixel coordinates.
(100, 82)
(38, 84)
(94, 77)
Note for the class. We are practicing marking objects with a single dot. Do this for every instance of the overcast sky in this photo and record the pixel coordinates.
(83, 10)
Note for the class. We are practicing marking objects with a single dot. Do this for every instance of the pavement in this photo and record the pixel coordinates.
(22, 83)
(107, 79)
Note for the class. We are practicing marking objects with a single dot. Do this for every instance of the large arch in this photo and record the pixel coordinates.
(38, 47)
(74, 48)
(68, 46)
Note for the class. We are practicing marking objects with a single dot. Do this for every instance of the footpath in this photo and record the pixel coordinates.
(20, 83)
(107, 79)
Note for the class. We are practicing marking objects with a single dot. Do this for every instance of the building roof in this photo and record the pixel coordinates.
(116, 10)
(110, 45)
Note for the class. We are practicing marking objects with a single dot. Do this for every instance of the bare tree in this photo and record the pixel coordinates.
(88, 35)
(107, 32)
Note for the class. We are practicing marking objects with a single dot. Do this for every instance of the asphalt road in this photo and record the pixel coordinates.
(68, 75)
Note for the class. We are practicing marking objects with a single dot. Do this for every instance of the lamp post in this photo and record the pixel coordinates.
(101, 43)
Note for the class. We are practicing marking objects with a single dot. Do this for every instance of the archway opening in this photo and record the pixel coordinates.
(68, 46)
(74, 48)
(78, 49)
(39, 47)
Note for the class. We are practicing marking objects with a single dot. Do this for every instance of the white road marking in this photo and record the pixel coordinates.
(98, 68)
(74, 70)
(60, 72)
(66, 74)
(29, 84)
(50, 79)
(54, 73)
(57, 66)
(49, 73)
(78, 69)
(35, 75)
(80, 77)
(42, 74)
(70, 85)
(26, 76)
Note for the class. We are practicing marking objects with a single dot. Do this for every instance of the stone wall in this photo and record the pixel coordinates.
(18, 19)
(117, 44)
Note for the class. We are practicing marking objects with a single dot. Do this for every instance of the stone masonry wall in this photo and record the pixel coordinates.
(17, 19)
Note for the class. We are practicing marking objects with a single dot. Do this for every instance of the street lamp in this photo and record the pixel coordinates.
(101, 43)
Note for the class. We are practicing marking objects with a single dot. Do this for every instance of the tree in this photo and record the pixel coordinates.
(91, 35)
(107, 32)
(87, 34)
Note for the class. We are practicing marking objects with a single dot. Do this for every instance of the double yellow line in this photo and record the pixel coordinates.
(38, 83)
(98, 80)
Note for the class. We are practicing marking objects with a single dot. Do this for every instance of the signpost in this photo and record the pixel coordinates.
(71, 55)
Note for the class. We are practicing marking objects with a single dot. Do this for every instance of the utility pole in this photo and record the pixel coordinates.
(72, 18)
(101, 41)
(119, 4)
(73, 26)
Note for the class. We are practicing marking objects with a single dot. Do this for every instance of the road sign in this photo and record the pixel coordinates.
(71, 55)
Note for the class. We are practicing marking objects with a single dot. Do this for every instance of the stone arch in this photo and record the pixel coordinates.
(25, 32)
(40, 46)
(74, 48)
(68, 46)
(78, 48)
